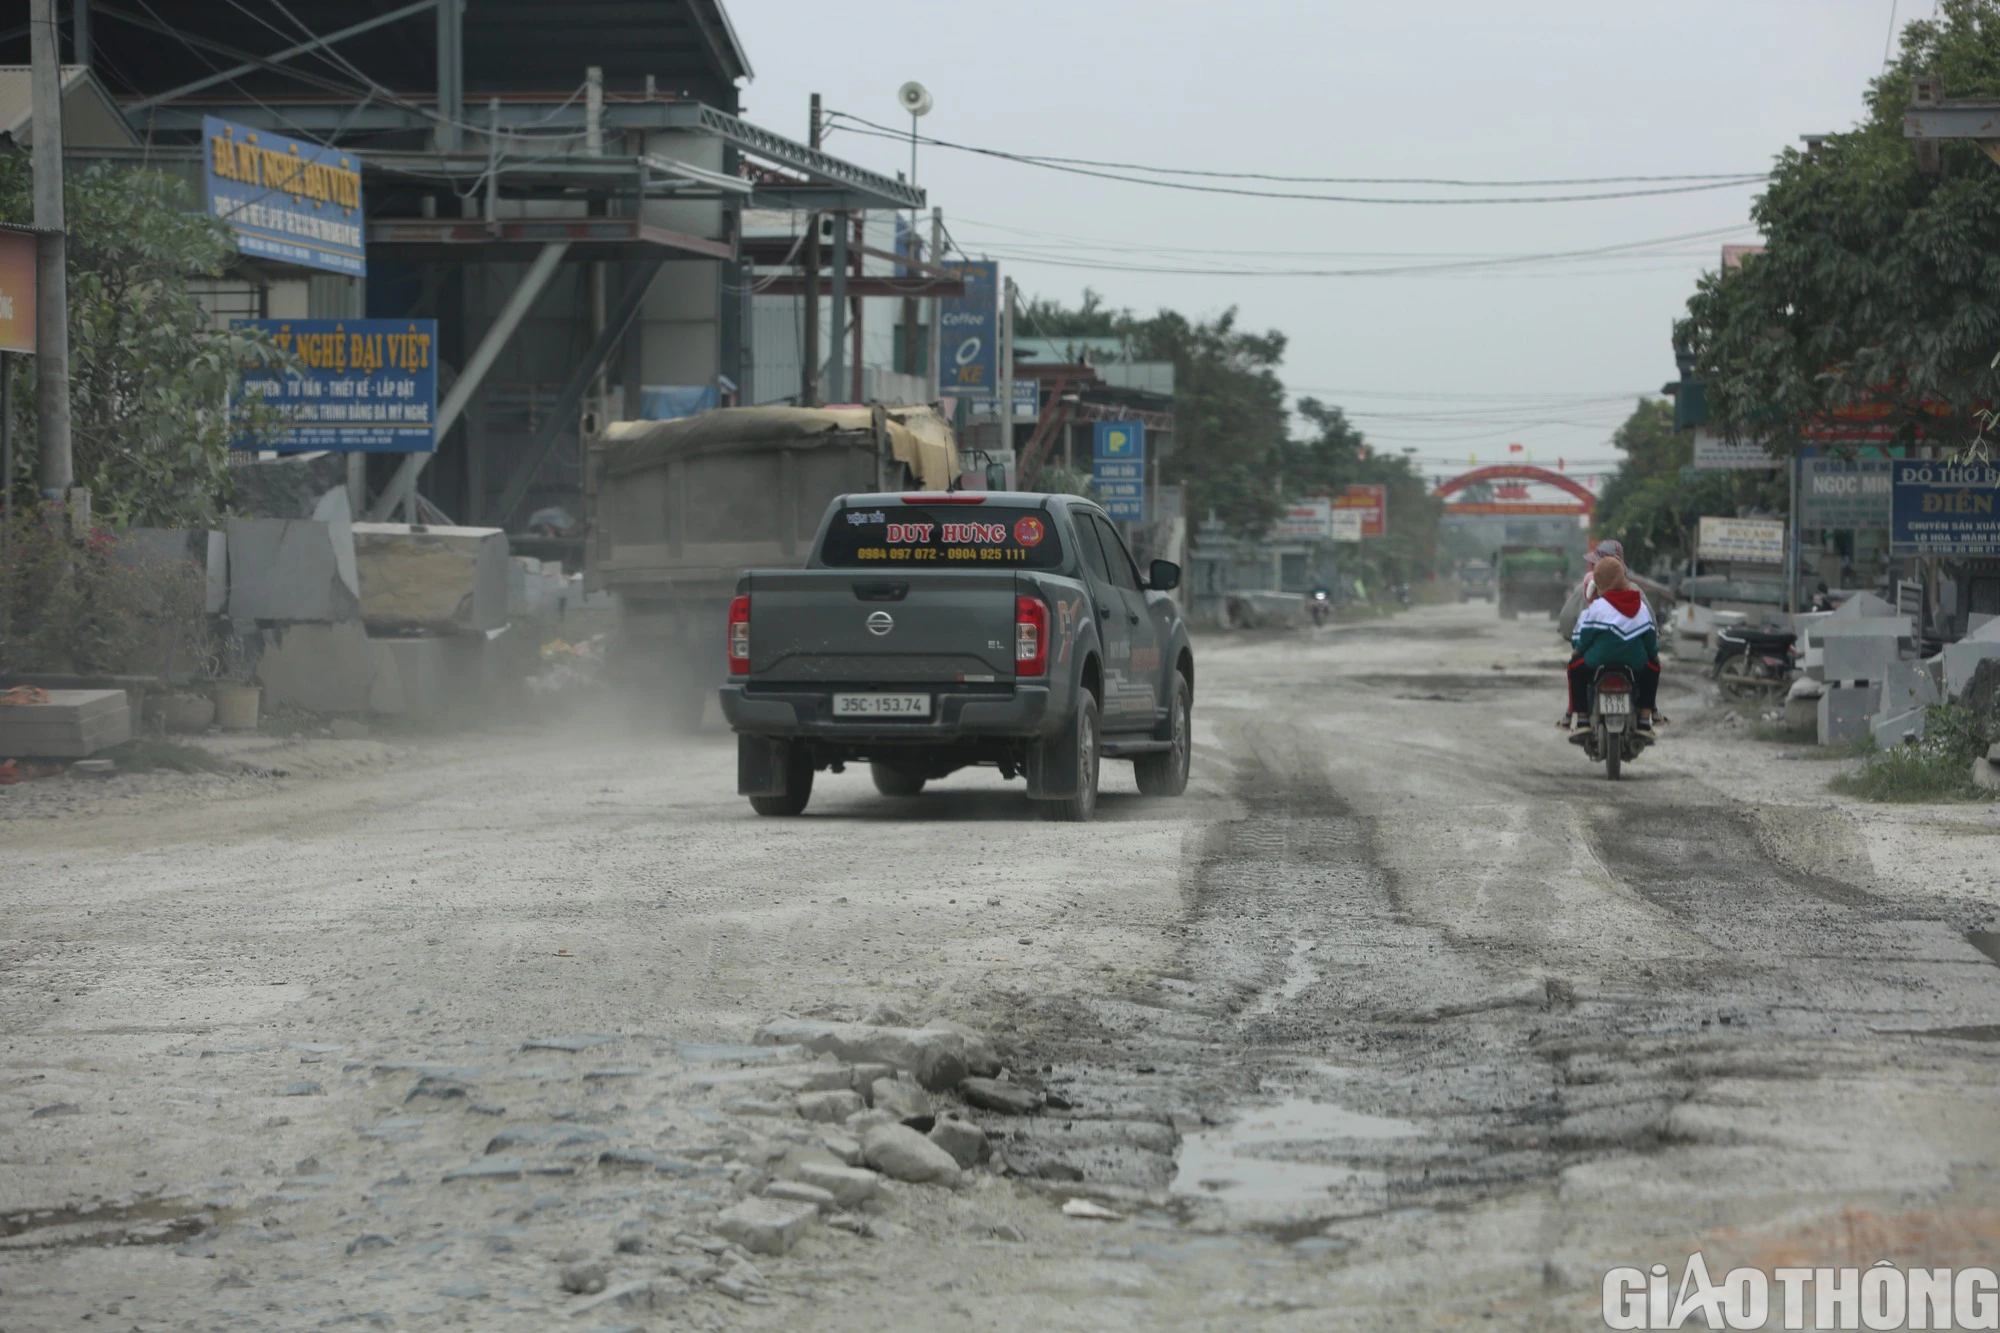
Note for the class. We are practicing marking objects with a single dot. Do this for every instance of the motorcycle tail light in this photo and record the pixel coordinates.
(1615, 685)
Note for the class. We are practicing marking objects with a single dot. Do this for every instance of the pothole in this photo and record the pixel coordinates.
(1274, 1159)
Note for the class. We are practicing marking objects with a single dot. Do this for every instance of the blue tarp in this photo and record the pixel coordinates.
(670, 402)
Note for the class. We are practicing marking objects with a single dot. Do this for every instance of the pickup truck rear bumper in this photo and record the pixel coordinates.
(809, 713)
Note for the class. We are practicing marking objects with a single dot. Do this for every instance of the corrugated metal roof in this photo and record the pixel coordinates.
(511, 46)
(90, 118)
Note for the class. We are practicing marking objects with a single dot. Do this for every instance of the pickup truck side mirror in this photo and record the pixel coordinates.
(1164, 576)
(996, 476)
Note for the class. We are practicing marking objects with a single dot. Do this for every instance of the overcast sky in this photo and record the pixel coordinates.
(1548, 354)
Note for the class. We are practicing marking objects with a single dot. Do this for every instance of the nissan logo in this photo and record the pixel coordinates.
(880, 623)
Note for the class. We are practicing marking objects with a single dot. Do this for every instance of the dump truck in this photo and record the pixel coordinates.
(1532, 578)
(676, 510)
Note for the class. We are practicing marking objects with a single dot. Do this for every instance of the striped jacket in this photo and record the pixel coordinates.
(1617, 627)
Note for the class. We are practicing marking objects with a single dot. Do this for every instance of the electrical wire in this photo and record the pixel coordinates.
(1316, 180)
(1050, 164)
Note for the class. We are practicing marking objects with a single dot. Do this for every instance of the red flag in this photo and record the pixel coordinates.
(1559, 465)
(1515, 448)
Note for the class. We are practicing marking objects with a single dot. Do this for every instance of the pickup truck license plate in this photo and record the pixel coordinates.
(1615, 703)
(881, 705)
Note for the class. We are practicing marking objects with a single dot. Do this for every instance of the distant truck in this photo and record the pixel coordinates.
(1475, 579)
(677, 510)
(1532, 578)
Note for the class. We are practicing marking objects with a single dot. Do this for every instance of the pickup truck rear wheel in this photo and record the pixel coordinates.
(1166, 773)
(798, 786)
(1081, 734)
(891, 781)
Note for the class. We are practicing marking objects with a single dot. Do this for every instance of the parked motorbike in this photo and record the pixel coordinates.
(1320, 605)
(1614, 736)
(1754, 663)
(1403, 595)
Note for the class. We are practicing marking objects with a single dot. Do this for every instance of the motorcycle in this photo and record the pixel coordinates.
(1321, 605)
(1754, 663)
(1614, 736)
(1403, 595)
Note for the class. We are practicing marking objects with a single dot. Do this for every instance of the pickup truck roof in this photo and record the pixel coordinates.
(1017, 499)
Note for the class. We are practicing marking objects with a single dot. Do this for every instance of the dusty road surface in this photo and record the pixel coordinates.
(1404, 1017)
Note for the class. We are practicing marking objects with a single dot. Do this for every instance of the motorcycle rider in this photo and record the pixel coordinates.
(1616, 627)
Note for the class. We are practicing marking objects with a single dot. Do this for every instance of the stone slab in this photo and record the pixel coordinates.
(1892, 729)
(1868, 657)
(1844, 711)
(439, 580)
(292, 570)
(73, 724)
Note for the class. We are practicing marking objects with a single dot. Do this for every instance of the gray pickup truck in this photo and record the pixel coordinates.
(931, 632)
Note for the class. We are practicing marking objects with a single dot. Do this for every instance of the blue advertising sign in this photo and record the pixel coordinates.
(1945, 509)
(1118, 469)
(285, 199)
(969, 334)
(361, 385)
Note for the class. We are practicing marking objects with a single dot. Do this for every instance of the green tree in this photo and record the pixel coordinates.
(149, 372)
(1879, 285)
(1648, 506)
(1230, 425)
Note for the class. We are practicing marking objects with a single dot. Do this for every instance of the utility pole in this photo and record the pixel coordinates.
(836, 342)
(1004, 401)
(937, 307)
(51, 256)
(809, 395)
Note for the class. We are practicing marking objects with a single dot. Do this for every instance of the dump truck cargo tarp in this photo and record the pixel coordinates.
(917, 437)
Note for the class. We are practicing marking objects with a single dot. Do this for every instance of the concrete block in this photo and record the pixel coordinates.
(1865, 606)
(438, 580)
(1844, 711)
(292, 569)
(324, 668)
(1909, 685)
(1861, 656)
(411, 679)
(1982, 627)
(1892, 729)
(71, 724)
(1961, 659)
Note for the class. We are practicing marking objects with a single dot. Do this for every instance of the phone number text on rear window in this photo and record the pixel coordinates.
(943, 536)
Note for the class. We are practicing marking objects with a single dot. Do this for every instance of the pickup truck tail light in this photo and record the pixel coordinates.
(739, 636)
(1031, 636)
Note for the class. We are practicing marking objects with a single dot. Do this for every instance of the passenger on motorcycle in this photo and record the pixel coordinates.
(1616, 627)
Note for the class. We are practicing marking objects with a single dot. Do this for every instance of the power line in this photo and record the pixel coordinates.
(1330, 180)
(1053, 164)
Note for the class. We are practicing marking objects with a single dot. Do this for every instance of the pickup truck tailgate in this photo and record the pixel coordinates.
(862, 626)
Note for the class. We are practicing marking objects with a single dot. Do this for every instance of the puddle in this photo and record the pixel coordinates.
(1245, 1162)
(1986, 941)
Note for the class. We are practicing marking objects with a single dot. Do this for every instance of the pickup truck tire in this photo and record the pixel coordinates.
(1166, 773)
(891, 781)
(1081, 737)
(798, 786)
